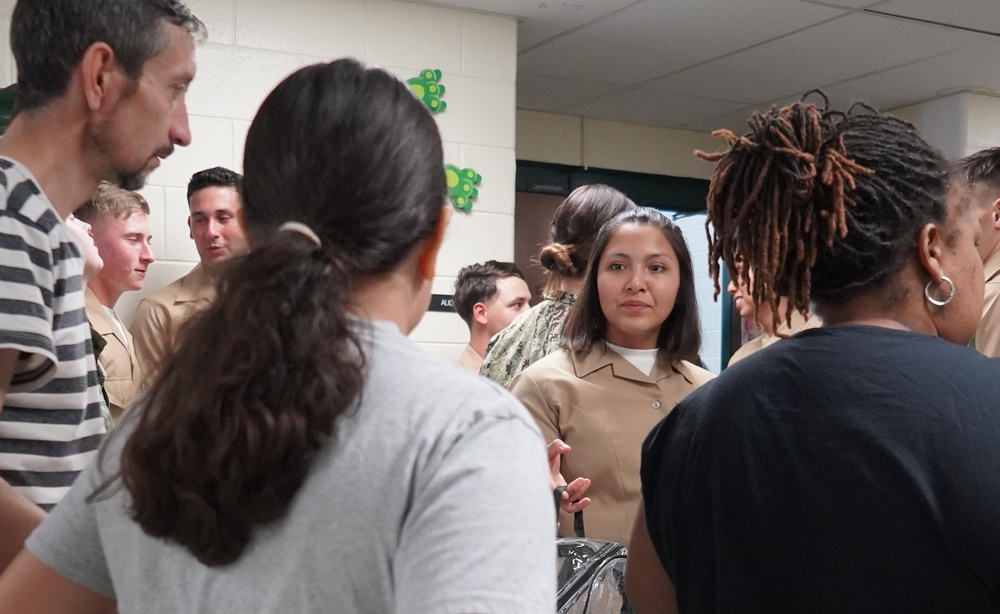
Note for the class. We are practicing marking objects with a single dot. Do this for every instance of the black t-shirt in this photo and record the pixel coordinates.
(847, 469)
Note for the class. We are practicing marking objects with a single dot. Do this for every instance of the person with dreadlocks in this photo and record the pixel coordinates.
(857, 469)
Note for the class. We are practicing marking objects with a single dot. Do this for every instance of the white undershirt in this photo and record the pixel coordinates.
(114, 318)
(643, 360)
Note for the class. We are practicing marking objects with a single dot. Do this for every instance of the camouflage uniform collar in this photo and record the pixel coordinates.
(560, 297)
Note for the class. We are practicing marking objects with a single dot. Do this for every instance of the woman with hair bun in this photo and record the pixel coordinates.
(298, 453)
(571, 237)
(857, 468)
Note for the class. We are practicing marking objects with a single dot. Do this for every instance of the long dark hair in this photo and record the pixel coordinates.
(680, 333)
(822, 205)
(229, 431)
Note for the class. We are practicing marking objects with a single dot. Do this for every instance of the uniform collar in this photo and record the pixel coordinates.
(601, 356)
(992, 266)
(470, 359)
(99, 319)
(560, 297)
(195, 286)
(799, 324)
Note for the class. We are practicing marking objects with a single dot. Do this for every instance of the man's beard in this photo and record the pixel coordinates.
(131, 180)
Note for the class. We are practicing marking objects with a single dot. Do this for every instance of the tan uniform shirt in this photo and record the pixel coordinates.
(987, 338)
(124, 377)
(158, 317)
(470, 361)
(799, 324)
(603, 407)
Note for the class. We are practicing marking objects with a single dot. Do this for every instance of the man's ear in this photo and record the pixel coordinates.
(930, 247)
(190, 229)
(427, 260)
(995, 210)
(479, 312)
(102, 79)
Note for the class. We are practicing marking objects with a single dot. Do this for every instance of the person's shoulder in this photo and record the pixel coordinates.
(22, 199)
(747, 349)
(693, 373)
(429, 384)
(557, 364)
(515, 331)
(908, 355)
(165, 295)
(960, 360)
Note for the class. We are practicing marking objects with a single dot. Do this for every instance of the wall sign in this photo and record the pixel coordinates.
(442, 302)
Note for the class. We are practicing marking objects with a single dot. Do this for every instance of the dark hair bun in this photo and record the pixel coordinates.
(559, 257)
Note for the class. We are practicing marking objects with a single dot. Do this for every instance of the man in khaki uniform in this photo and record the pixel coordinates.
(119, 221)
(488, 297)
(981, 173)
(214, 225)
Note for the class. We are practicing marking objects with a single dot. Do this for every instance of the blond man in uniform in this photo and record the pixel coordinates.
(488, 297)
(119, 221)
(981, 174)
(214, 223)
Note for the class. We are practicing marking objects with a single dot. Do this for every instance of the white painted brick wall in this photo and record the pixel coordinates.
(253, 44)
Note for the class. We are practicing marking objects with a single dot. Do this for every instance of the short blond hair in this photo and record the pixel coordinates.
(111, 202)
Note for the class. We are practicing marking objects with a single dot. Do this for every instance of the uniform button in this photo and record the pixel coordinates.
(656, 405)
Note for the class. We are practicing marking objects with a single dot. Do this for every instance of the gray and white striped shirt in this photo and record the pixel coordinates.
(50, 425)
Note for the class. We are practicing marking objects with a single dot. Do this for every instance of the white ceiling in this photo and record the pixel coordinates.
(706, 64)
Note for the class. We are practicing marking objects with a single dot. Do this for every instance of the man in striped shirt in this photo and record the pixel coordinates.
(101, 87)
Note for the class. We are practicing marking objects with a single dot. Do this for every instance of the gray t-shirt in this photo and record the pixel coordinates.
(433, 497)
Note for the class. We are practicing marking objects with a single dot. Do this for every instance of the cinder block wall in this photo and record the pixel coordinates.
(253, 44)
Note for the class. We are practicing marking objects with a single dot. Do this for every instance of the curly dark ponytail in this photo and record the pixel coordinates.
(261, 402)
(228, 434)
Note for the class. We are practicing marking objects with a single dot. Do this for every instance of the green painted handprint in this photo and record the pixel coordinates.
(462, 186)
(427, 89)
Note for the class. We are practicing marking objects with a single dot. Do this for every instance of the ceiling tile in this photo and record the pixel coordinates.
(544, 93)
(848, 4)
(649, 107)
(972, 69)
(838, 50)
(651, 39)
(550, 19)
(539, 20)
(737, 120)
(975, 14)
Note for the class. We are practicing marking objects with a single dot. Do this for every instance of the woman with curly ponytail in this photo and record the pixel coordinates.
(298, 453)
(853, 467)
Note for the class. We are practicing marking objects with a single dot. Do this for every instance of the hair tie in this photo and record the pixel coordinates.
(303, 230)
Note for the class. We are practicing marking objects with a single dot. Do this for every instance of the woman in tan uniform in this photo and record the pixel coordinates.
(787, 323)
(624, 366)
